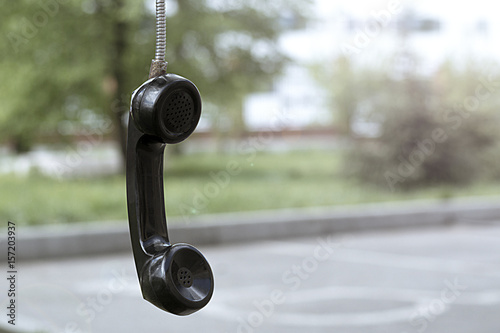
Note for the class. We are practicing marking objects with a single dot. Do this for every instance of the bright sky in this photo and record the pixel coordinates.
(458, 19)
(453, 10)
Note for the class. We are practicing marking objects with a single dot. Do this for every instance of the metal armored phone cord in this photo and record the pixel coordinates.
(159, 65)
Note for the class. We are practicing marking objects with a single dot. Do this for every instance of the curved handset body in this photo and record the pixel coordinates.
(176, 278)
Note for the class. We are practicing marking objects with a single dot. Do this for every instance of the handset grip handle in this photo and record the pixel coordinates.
(176, 278)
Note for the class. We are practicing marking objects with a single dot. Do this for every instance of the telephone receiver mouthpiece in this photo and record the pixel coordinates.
(176, 278)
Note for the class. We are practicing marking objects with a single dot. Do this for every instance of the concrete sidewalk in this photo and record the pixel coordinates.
(438, 279)
(113, 237)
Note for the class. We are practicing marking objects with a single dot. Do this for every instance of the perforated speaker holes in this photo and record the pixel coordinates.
(185, 277)
(180, 109)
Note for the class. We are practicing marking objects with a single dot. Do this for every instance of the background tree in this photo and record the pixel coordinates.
(69, 60)
(432, 129)
(350, 88)
(81, 59)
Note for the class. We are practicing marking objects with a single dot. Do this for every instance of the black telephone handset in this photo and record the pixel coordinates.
(176, 278)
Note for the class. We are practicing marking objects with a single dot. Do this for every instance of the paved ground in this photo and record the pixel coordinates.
(434, 280)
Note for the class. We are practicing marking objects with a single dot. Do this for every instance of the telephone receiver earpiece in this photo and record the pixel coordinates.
(176, 278)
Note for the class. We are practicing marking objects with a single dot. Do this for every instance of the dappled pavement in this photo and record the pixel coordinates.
(427, 280)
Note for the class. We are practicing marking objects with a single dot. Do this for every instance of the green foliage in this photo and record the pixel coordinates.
(228, 48)
(433, 130)
(57, 56)
(60, 58)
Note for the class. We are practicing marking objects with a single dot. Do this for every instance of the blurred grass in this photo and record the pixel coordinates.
(264, 181)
